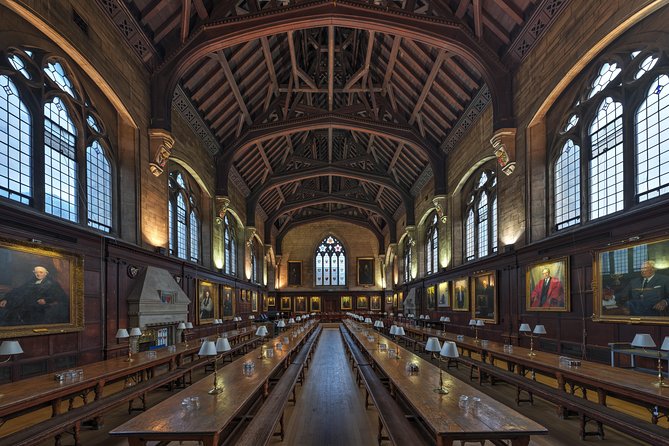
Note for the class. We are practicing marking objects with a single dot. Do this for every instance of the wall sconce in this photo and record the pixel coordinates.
(538, 331)
(10, 348)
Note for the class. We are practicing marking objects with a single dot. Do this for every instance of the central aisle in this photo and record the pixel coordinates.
(330, 409)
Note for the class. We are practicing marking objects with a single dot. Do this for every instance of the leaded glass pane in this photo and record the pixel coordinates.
(60, 165)
(571, 123)
(342, 269)
(652, 141)
(56, 72)
(606, 163)
(182, 229)
(170, 224)
(639, 256)
(493, 224)
(330, 262)
(567, 175)
(334, 261)
(606, 74)
(326, 268)
(469, 237)
(645, 66)
(19, 65)
(483, 226)
(15, 145)
(99, 188)
(93, 123)
(194, 238)
(319, 269)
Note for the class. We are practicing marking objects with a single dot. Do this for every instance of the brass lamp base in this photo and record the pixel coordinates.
(215, 391)
(441, 390)
(661, 383)
(531, 354)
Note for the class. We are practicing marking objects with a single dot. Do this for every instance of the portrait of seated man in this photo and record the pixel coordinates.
(645, 295)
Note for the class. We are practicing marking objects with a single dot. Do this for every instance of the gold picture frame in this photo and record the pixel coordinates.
(547, 286)
(430, 298)
(375, 303)
(285, 303)
(294, 273)
(484, 297)
(461, 294)
(362, 303)
(315, 304)
(443, 295)
(300, 304)
(207, 302)
(228, 303)
(346, 303)
(365, 271)
(41, 290)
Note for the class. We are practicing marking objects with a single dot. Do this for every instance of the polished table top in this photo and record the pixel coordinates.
(442, 412)
(170, 418)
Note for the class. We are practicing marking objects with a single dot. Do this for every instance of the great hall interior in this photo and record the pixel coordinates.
(334, 222)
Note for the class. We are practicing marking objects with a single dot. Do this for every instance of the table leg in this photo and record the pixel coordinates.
(443, 441)
(601, 396)
(520, 441)
(134, 441)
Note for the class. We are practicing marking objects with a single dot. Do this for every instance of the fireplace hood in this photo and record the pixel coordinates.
(156, 298)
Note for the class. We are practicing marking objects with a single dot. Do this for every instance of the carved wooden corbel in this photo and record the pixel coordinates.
(441, 207)
(160, 143)
(504, 144)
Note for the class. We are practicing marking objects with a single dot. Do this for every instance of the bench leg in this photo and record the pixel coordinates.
(366, 399)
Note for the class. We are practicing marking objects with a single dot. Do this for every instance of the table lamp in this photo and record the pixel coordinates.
(208, 348)
(368, 320)
(291, 320)
(122, 333)
(644, 341)
(538, 331)
(476, 324)
(134, 334)
(400, 331)
(432, 345)
(281, 324)
(10, 348)
(448, 350)
(393, 331)
(378, 324)
(444, 320)
(261, 332)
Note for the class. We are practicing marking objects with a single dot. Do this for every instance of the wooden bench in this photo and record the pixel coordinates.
(262, 427)
(71, 420)
(587, 410)
(399, 430)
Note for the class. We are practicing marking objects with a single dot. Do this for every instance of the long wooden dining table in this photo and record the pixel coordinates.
(464, 413)
(205, 421)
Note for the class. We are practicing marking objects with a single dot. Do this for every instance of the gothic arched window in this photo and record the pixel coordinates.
(480, 224)
(407, 258)
(330, 262)
(184, 223)
(432, 247)
(230, 245)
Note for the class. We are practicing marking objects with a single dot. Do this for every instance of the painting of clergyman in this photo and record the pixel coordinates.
(632, 283)
(346, 303)
(228, 303)
(285, 303)
(254, 301)
(389, 299)
(443, 298)
(365, 271)
(271, 301)
(375, 303)
(362, 303)
(547, 286)
(430, 297)
(461, 294)
(485, 297)
(300, 304)
(207, 302)
(315, 304)
(295, 273)
(41, 290)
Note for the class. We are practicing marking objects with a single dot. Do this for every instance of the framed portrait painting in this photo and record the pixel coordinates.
(254, 301)
(375, 303)
(430, 297)
(443, 297)
(207, 302)
(346, 303)
(300, 304)
(285, 303)
(295, 273)
(547, 286)
(484, 297)
(461, 294)
(362, 303)
(41, 290)
(271, 301)
(227, 303)
(315, 304)
(365, 271)
(631, 283)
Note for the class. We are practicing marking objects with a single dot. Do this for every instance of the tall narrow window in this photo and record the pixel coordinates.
(330, 262)
(567, 180)
(432, 247)
(480, 226)
(99, 186)
(255, 271)
(606, 160)
(15, 145)
(230, 245)
(60, 162)
(184, 225)
(407, 258)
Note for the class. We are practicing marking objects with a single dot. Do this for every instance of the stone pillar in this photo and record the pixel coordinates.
(504, 144)
(160, 144)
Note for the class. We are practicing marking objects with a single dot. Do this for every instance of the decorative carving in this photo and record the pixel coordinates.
(132, 271)
(183, 105)
(160, 143)
(411, 235)
(222, 205)
(440, 206)
(543, 17)
(250, 233)
(177, 278)
(422, 180)
(504, 144)
(475, 108)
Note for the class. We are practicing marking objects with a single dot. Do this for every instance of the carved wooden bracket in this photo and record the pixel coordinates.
(504, 144)
(222, 205)
(441, 207)
(160, 143)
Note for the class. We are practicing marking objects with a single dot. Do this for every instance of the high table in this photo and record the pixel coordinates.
(170, 421)
(442, 413)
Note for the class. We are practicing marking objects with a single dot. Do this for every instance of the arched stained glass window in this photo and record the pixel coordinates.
(184, 224)
(432, 247)
(480, 225)
(330, 262)
(230, 245)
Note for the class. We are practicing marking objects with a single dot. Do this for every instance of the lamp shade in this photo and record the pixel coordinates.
(208, 348)
(643, 340)
(447, 319)
(449, 350)
(400, 331)
(135, 331)
(400, 315)
(539, 330)
(181, 326)
(222, 345)
(298, 319)
(10, 348)
(378, 324)
(472, 322)
(261, 331)
(291, 321)
(524, 328)
(189, 325)
(665, 343)
(368, 320)
(281, 323)
(421, 317)
(122, 333)
(251, 317)
(393, 329)
(480, 323)
(432, 345)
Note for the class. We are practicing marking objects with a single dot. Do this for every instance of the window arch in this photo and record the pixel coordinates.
(70, 175)
(407, 258)
(229, 245)
(613, 142)
(480, 224)
(184, 223)
(432, 246)
(330, 262)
